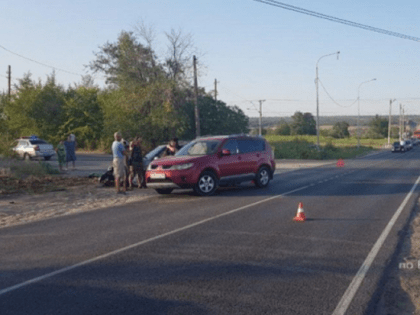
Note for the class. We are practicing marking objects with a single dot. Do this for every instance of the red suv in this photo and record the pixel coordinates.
(206, 163)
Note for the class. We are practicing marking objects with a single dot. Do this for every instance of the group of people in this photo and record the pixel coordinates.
(66, 152)
(127, 163)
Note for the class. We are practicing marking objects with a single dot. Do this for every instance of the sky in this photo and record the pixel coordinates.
(255, 51)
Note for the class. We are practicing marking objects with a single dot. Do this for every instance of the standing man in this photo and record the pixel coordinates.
(171, 148)
(118, 152)
(70, 145)
(136, 166)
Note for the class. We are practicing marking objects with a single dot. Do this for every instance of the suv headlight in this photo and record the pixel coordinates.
(181, 166)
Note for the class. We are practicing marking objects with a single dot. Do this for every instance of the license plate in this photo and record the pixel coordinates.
(158, 176)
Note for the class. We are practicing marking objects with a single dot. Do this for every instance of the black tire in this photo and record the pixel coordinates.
(207, 184)
(47, 158)
(263, 177)
(164, 191)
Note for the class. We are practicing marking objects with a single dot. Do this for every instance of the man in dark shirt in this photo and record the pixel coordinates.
(136, 163)
(171, 148)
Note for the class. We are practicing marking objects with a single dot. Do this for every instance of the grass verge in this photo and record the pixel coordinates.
(303, 148)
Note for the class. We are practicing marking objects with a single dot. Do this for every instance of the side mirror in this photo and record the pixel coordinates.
(225, 152)
(155, 158)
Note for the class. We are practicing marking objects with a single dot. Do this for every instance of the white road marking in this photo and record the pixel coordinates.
(360, 275)
(118, 251)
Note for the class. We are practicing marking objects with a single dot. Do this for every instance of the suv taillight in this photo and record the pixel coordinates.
(36, 148)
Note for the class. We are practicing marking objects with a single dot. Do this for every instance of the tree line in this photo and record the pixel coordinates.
(304, 124)
(146, 95)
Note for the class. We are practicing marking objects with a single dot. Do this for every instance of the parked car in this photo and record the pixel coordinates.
(157, 153)
(206, 163)
(403, 146)
(396, 147)
(409, 145)
(32, 147)
(153, 155)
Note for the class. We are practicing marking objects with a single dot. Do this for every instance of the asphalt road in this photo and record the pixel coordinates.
(237, 252)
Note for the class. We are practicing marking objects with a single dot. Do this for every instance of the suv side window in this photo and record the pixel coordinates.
(251, 145)
(231, 145)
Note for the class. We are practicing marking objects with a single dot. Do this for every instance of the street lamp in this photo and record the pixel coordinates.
(358, 111)
(389, 120)
(317, 97)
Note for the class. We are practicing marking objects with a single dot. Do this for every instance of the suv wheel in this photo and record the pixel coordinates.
(164, 191)
(263, 177)
(207, 184)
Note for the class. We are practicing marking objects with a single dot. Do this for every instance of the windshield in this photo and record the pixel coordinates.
(154, 152)
(199, 147)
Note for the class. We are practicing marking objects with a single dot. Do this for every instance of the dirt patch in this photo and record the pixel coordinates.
(35, 199)
(36, 185)
(401, 294)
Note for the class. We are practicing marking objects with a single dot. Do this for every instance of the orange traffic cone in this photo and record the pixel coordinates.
(300, 215)
(340, 163)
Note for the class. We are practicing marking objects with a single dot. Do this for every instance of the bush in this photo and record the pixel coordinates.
(22, 169)
(296, 149)
(6, 145)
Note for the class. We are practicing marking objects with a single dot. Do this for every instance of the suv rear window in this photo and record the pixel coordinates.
(251, 145)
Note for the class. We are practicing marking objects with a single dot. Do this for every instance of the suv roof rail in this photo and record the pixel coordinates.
(211, 136)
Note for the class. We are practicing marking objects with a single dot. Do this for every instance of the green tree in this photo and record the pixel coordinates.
(283, 129)
(47, 108)
(4, 99)
(216, 118)
(83, 117)
(378, 127)
(127, 62)
(18, 108)
(303, 124)
(340, 130)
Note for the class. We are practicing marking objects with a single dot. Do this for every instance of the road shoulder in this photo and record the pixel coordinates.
(401, 293)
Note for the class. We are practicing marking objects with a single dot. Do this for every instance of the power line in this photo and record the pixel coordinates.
(43, 64)
(40, 63)
(325, 90)
(337, 20)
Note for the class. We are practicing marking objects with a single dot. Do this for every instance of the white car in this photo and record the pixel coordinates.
(404, 146)
(29, 148)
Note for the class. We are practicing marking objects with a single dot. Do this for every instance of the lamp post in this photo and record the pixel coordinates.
(317, 97)
(358, 111)
(389, 120)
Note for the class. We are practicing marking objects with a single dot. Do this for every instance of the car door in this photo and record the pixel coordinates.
(248, 150)
(229, 165)
(21, 148)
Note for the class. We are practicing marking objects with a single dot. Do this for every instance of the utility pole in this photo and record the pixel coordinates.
(215, 89)
(400, 129)
(260, 111)
(403, 116)
(9, 78)
(389, 121)
(196, 112)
